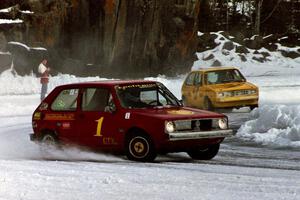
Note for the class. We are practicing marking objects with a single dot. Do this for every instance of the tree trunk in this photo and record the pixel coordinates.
(258, 7)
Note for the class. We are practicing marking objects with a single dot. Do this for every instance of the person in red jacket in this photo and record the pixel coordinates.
(44, 72)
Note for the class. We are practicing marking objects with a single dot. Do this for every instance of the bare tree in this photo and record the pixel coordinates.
(273, 10)
(258, 8)
(292, 27)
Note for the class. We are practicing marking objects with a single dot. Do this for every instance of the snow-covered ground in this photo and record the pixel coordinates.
(237, 172)
(279, 99)
(273, 64)
(27, 172)
(261, 162)
(114, 179)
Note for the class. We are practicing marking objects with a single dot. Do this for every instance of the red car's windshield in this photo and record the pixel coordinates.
(145, 96)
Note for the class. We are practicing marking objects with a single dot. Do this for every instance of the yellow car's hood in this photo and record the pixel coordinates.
(232, 86)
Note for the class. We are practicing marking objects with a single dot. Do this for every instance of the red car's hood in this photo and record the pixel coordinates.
(176, 113)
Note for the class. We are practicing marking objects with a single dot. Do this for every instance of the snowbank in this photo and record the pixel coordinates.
(10, 21)
(274, 62)
(13, 84)
(273, 125)
(173, 84)
(273, 90)
(6, 10)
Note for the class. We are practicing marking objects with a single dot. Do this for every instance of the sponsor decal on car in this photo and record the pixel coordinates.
(137, 86)
(180, 112)
(109, 140)
(43, 106)
(99, 127)
(60, 117)
(127, 115)
(66, 125)
(37, 116)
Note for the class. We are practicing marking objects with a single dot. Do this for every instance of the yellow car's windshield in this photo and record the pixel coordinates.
(223, 76)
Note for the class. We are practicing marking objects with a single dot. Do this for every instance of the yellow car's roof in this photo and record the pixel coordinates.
(214, 69)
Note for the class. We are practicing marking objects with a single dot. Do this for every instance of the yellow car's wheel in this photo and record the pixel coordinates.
(183, 100)
(253, 107)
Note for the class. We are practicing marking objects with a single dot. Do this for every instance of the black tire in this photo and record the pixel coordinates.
(206, 153)
(48, 144)
(139, 147)
(183, 101)
(207, 105)
(253, 107)
(49, 139)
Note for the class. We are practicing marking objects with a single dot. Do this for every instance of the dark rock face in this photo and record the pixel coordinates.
(271, 47)
(116, 37)
(206, 42)
(270, 39)
(290, 54)
(241, 49)
(20, 55)
(216, 63)
(243, 57)
(5, 61)
(2, 41)
(228, 45)
(255, 43)
(259, 59)
(26, 59)
(68, 66)
(209, 57)
(265, 54)
(238, 38)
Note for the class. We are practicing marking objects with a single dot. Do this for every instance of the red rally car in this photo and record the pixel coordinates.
(138, 118)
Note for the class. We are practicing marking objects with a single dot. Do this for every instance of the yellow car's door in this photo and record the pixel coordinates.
(199, 90)
(188, 94)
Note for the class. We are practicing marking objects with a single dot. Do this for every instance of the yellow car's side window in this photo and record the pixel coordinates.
(212, 77)
(198, 79)
(190, 79)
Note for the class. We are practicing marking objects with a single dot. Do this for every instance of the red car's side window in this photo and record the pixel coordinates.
(66, 100)
(94, 99)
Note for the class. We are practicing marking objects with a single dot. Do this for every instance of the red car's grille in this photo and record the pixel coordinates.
(194, 125)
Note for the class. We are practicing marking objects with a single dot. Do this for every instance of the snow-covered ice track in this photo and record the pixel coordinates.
(233, 151)
(246, 155)
(243, 169)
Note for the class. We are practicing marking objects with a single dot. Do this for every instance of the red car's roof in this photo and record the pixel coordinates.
(110, 83)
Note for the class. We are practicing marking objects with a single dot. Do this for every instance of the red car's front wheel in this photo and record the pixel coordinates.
(139, 147)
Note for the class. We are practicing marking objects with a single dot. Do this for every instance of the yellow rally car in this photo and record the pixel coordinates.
(218, 87)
